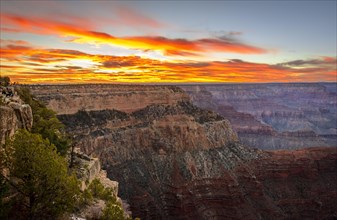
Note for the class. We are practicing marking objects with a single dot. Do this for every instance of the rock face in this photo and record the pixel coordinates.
(156, 148)
(274, 116)
(68, 99)
(118, 136)
(87, 169)
(177, 161)
(13, 116)
(277, 185)
(210, 176)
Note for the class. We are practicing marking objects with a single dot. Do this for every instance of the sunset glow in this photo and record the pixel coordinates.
(116, 42)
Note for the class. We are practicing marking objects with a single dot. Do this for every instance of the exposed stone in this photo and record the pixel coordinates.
(156, 128)
(68, 99)
(87, 169)
(14, 116)
(177, 161)
(274, 116)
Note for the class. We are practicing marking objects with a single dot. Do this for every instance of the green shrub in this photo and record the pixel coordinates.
(42, 184)
(45, 121)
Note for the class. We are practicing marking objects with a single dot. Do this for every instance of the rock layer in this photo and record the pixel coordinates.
(14, 115)
(68, 99)
(117, 136)
(198, 179)
(177, 161)
(274, 116)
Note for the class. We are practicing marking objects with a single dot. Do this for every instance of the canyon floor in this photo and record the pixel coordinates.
(191, 152)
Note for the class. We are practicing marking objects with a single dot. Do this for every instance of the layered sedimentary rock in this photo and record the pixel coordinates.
(118, 136)
(14, 115)
(177, 161)
(155, 149)
(68, 99)
(274, 116)
(168, 170)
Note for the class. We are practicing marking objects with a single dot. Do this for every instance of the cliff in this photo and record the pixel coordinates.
(274, 116)
(14, 115)
(118, 136)
(178, 161)
(68, 99)
(176, 166)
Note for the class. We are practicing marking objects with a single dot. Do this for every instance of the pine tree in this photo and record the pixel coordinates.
(40, 177)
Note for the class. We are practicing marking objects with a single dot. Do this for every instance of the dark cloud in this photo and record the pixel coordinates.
(116, 64)
(309, 62)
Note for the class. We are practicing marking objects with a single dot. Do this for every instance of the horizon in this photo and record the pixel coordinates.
(170, 42)
(177, 84)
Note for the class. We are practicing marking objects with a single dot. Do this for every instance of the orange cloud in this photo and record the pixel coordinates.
(26, 64)
(16, 42)
(81, 33)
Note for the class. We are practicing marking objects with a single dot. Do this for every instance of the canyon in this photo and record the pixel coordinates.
(274, 116)
(15, 114)
(175, 158)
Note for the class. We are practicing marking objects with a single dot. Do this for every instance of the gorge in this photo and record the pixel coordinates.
(175, 160)
(274, 115)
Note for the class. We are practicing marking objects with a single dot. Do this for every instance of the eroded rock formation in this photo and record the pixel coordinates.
(178, 161)
(68, 99)
(14, 114)
(274, 116)
(163, 129)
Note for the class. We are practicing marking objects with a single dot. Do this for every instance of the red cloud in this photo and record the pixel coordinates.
(225, 45)
(82, 34)
(16, 42)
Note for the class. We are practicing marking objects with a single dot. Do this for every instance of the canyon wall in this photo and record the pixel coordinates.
(274, 116)
(14, 115)
(174, 160)
(181, 162)
(68, 99)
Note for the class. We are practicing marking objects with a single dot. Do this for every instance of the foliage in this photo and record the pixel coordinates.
(45, 121)
(99, 191)
(5, 81)
(113, 211)
(85, 199)
(39, 175)
(4, 192)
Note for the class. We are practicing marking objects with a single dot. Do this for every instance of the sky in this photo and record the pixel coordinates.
(45, 42)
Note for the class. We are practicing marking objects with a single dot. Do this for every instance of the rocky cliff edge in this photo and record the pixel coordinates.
(14, 115)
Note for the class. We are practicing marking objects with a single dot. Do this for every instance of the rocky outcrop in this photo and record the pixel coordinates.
(68, 99)
(274, 116)
(116, 136)
(14, 115)
(163, 180)
(156, 148)
(87, 169)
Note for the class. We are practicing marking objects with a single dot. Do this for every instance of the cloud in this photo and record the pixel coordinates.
(81, 33)
(15, 42)
(230, 46)
(13, 30)
(28, 64)
(319, 62)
